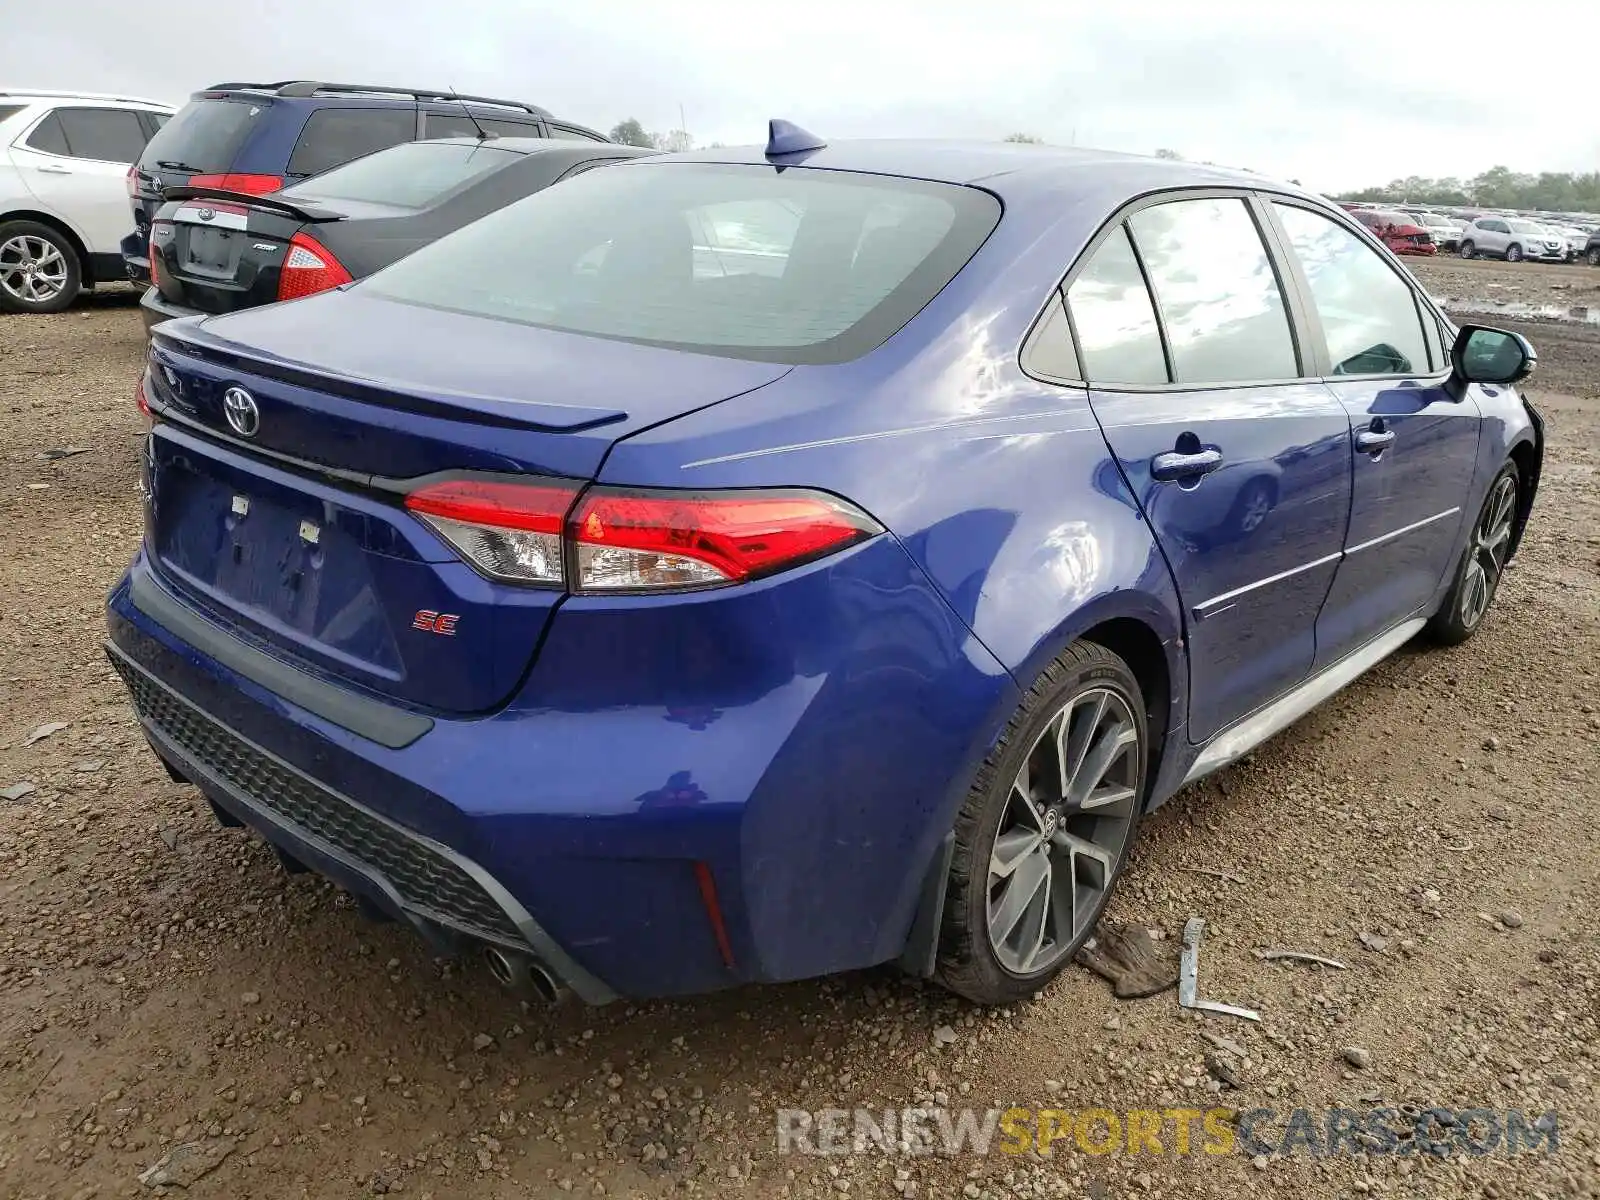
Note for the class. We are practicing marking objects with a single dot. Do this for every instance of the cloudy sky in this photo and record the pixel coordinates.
(1331, 94)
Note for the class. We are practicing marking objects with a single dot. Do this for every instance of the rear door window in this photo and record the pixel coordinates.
(1118, 334)
(104, 134)
(575, 135)
(458, 124)
(1217, 292)
(1368, 313)
(334, 136)
(204, 137)
(413, 175)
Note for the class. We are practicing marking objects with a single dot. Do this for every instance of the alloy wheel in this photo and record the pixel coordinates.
(32, 269)
(1467, 250)
(1066, 823)
(1491, 538)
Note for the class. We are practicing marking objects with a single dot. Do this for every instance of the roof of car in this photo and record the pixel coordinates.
(34, 94)
(1008, 168)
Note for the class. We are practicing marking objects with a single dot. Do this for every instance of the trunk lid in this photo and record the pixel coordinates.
(296, 536)
(218, 254)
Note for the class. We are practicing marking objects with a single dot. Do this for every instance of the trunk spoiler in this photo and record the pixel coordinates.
(304, 212)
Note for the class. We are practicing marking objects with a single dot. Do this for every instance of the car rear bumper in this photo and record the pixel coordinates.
(154, 308)
(777, 831)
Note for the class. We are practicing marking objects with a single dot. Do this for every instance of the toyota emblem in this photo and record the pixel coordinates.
(239, 406)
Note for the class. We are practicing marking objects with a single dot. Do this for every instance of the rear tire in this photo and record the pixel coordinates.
(39, 268)
(1482, 565)
(1592, 254)
(1045, 831)
(1468, 250)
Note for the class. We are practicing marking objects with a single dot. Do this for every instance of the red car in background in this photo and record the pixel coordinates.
(1397, 230)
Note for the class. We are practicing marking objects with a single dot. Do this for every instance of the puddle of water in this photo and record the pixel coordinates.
(1583, 314)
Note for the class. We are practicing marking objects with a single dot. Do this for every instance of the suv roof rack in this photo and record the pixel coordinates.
(300, 88)
(71, 95)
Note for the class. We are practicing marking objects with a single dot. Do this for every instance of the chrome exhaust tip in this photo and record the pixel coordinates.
(523, 974)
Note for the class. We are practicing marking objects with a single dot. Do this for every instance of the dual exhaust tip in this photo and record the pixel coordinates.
(523, 975)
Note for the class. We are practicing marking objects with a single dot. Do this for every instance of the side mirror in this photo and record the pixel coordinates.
(1485, 355)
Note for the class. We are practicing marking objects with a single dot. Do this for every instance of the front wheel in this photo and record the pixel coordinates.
(1483, 562)
(1468, 250)
(1513, 253)
(1045, 830)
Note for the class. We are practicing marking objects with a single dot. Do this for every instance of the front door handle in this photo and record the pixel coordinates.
(1374, 441)
(1176, 465)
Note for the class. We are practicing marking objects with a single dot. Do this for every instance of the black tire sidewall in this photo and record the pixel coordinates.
(1446, 625)
(9, 303)
(967, 961)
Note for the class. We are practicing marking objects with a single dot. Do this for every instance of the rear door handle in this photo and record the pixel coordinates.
(1175, 465)
(1374, 441)
(54, 171)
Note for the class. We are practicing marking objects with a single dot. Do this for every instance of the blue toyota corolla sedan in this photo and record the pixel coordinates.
(751, 565)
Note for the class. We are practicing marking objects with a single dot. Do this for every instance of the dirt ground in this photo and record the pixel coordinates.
(164, 984)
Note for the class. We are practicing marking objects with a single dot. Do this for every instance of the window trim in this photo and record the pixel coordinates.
(1313, 320)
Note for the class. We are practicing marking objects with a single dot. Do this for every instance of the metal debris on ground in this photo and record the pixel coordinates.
(59, 452)
(1215, 874)
(1298, 956)
(1222, 1043)
(1130, 959)
(1189, 977)
(44, 731)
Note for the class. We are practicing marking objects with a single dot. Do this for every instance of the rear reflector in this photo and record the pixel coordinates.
(625, 540)
(309, 268)
(250, 185)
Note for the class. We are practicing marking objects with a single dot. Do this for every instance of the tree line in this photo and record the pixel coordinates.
(1498, 187)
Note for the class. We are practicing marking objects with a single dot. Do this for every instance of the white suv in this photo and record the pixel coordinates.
(64, 160)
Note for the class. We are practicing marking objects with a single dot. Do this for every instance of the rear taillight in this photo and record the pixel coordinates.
(622, 540)
(133, 181)
(509, 531)
(250, 185)
(157, 232)
(632, 541)
(309, 268)
(142, 400)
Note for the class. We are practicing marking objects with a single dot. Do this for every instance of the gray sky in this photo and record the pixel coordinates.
(1314, 92)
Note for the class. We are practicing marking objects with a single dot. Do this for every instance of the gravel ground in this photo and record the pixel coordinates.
(166, 990)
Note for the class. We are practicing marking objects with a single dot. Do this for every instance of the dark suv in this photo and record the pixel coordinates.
(259, 137)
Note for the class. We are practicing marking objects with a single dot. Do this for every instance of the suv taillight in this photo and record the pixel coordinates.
(133, 181)
(634, 540)
(309, 268)
(250, 185)
(155, 251)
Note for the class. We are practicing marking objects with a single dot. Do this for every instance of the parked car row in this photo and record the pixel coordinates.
(1502, 235)
(73, 162)
(573, 588)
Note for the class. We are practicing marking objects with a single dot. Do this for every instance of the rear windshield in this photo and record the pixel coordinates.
(204, 137)
(413, 175)
(801, 266)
